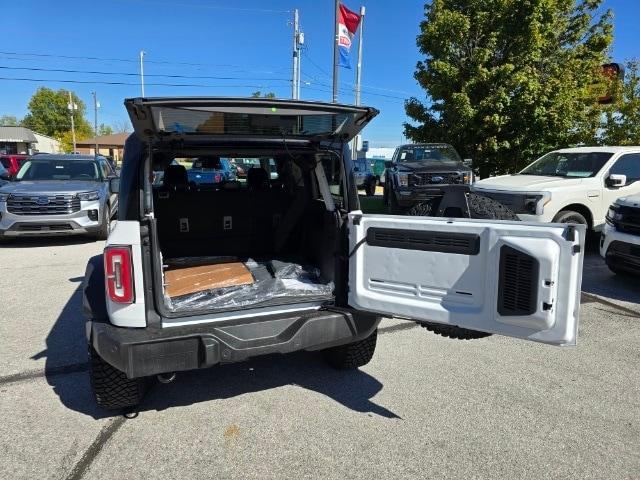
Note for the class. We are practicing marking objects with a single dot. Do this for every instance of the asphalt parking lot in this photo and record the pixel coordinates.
(425, 407)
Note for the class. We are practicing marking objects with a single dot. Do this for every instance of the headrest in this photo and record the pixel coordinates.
(175, 176)
(257, 179)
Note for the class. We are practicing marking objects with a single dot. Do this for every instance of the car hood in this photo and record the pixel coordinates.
(629, 201)
(53, 187)
(421, 167)
(526, 183)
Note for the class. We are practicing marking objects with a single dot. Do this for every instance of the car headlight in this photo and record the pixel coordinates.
(534, 204)
(403, 179)
(88, 196)
(4, 197)
(613, 215)
(467, 178)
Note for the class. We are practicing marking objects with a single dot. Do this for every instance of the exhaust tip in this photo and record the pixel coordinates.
(167, 377)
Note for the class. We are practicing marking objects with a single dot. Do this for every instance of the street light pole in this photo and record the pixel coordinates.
(296, 53)
(72, 106)
(142, 71)
(95, 120)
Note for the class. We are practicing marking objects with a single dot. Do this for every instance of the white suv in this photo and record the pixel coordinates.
(572, 185)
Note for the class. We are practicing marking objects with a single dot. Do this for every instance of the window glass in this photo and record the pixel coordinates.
(568, 164)
(628, 165)
(44, 169)
(106, 171)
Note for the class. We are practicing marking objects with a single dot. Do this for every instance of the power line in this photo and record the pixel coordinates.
(215, 7)
(96, 82)
(130, 74)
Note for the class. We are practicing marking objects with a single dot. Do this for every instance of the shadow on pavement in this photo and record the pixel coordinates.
(66, 365)
(46, 241)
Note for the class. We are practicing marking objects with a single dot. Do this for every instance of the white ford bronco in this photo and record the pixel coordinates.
(194, 275)
(572, 185)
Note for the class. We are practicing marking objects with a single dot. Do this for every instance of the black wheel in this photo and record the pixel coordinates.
(105, 226)
(569, 216)
(352, 355)
(619, 271)
(111, 387)
(394, 208)
(370, 188)
(479, 207)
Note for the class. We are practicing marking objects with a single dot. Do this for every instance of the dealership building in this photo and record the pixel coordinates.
(15, 140)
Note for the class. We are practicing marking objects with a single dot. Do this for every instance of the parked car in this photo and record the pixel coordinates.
(572, 185)
(58, 194)
(210, 171)
(416, 169)
(364, 176)
(190, 279)
(620, 240)
(12, 163)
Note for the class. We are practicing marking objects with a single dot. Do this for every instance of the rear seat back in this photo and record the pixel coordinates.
(238, 221)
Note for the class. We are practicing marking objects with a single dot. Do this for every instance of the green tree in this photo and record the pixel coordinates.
(104, 129)
(621, 124)
(9, 121)
(259, 94)
(507, 80)
(49, 114)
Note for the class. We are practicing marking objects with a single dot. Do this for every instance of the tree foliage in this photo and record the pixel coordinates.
(259, 94)
(104, 130)
(9, 121)
(621, 124)
(49, 114)
(507, 80)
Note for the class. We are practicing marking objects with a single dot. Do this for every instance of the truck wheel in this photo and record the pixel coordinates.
(105, 226)
(111, 387)
(352, 355)
(479, 207)
(569, 216)
(394, 208)
(370, 188)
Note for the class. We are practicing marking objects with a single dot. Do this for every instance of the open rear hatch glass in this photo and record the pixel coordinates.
(211, 118)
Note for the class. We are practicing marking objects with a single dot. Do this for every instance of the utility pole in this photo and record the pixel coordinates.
(296, 54)
(354, 148)
(72, 106)
(336, 52)
(142, 71)
(95, 120)
(300, 43)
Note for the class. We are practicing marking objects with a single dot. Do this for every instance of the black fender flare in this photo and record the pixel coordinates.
(94, 302)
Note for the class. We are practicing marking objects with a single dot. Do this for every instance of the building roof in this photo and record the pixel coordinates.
(114, 140)
(17, 134)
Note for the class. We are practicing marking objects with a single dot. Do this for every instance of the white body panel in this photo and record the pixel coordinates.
(610, 234)
(591, 192)
(462, 289)
(127, 233)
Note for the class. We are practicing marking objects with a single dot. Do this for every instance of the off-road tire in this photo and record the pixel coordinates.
(352, 355)
(569, 216)
(370, 187)
(479, 207)
(394, 208)
(105, 226)
(619, 271)
(111, 387)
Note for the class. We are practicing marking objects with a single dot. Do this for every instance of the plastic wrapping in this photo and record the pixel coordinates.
(272, 279)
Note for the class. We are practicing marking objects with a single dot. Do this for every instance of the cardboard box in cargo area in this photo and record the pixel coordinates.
(186, 280)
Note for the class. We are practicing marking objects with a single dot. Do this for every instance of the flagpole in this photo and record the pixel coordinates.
(354, 148)
(335, 52)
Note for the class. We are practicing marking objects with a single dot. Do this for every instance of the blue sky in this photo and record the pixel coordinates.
(247, 41)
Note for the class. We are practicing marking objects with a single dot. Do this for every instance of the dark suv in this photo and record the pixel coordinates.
(287, 261)
(416, 172)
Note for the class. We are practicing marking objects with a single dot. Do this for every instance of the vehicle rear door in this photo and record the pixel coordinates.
(510, 278)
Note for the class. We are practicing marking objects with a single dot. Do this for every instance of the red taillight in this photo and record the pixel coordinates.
(118, 271)
(217, 178)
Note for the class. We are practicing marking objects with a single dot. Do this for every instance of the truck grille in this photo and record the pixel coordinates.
(629, 220)
(418, 179)
(515, 202)
(43, 204)
(39, 227)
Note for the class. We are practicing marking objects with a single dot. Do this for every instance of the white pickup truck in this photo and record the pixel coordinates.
(572, 185)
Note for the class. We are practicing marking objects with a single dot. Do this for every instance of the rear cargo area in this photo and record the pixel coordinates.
(265, 238)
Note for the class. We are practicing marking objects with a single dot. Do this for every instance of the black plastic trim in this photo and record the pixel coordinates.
(428, 241)
(518, 283)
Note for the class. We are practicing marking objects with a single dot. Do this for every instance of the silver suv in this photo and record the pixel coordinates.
(58, 194)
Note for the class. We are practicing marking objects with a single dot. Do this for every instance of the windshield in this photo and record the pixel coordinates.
(433, 154)
(557, 164)
(43, 169)
(360, 165)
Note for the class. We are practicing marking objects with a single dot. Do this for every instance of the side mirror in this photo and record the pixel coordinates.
(388, 164)
(467, 162)
(114, 185)
(616, 180)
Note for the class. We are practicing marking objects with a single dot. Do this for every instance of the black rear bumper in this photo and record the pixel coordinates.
(141, 352)
(623, 256)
